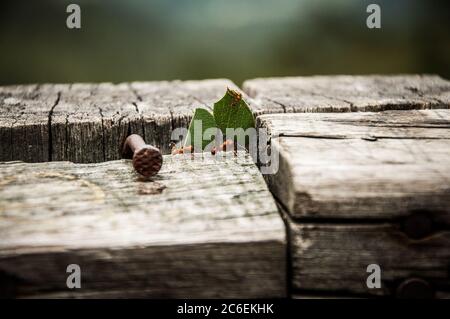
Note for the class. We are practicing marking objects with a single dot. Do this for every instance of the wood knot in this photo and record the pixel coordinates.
(418, 225)
(415, 288)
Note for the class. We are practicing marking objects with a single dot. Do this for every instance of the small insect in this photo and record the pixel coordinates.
(226, 146)
(182, 150)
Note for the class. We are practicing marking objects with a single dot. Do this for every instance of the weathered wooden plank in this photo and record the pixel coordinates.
(388, 124)
(77, 124)
(202, 228)
(24, 117)
(334, 257)
(93, 120)
(349, 93)
(362, 165)
(87, 122)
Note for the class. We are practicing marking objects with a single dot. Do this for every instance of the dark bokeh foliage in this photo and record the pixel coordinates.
(236, 39)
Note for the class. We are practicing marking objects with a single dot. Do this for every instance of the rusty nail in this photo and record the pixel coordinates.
(147, 159)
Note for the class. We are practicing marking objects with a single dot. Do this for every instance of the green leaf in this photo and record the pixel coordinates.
(207, 121)
(232, 112)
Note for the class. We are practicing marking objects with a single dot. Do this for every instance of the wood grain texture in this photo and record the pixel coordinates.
(348, 93)
(329, 258)
(362, 165)
(88, 122)
(203, 227)
(24, 117)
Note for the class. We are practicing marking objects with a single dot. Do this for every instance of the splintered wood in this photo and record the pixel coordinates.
(362, 165)
(201, 228)
(348, 93)
(350, 186)
(87, 123)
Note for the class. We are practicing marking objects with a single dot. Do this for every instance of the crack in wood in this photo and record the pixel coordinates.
(50, 115)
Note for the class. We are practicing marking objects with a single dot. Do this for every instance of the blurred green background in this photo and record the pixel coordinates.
(236, 39)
